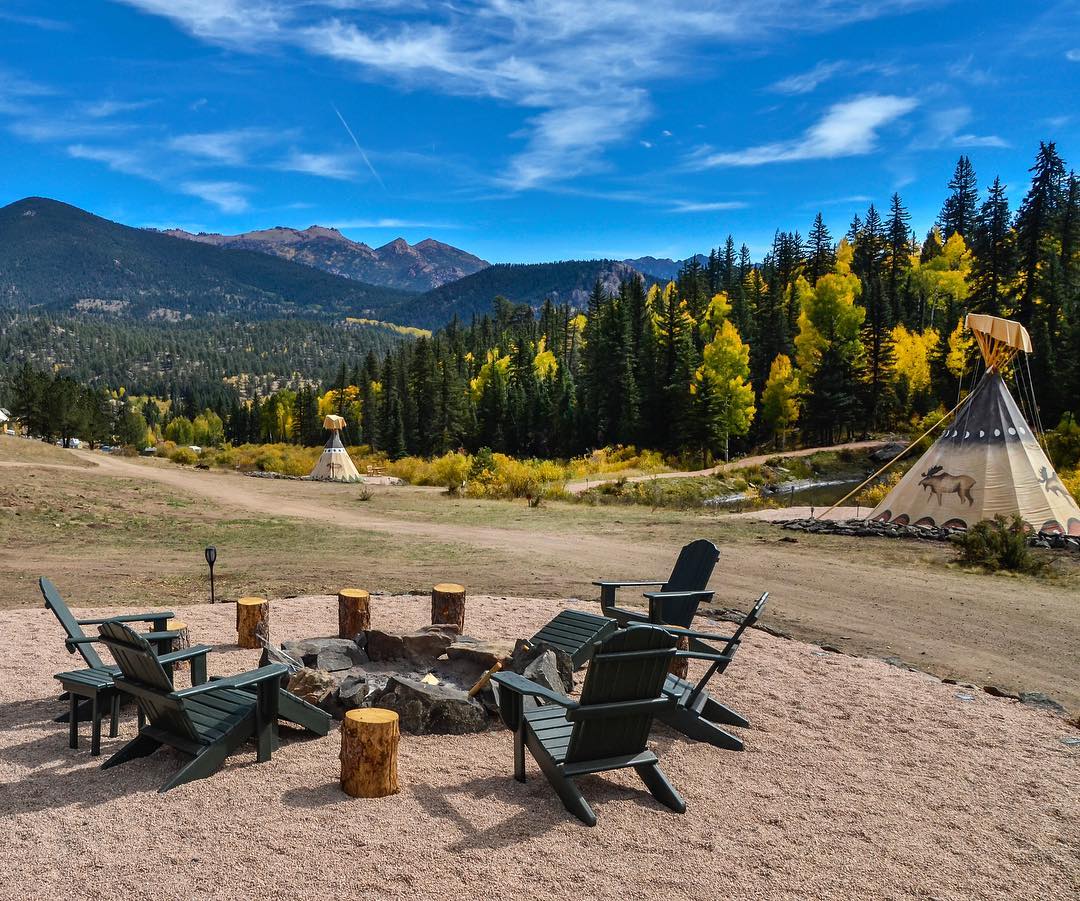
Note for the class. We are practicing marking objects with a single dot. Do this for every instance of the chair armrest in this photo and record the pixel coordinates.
(691, 633)
(86, 639)
(631, 584)
(186, 654)
(678, 595)
(701, 655)
(521, 685)
(129, 618)
(273, 671)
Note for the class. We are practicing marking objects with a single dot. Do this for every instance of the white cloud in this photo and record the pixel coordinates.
(1073, 56)
(979, 141)
(324, 165)
(103, 109)
(690, 206)
(119, 159)
(231, 148)
(364, 224)
(565, 60)
(849, 128)
(805, 82)
(227, 196)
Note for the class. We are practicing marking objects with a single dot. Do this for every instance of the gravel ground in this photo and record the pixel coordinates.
(859, 781)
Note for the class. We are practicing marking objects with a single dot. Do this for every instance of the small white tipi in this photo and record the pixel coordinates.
(335, 464)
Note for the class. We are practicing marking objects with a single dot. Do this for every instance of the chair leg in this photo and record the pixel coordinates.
(695, 726)
(567, 790)
(73, 721)
(140, 746)
(114, 715)
(718, 713)
(519, 751)
(95, 727)
(661, 789)
(207, 762)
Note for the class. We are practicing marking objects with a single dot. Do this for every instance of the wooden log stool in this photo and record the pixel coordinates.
(252, 622)
(369, 743)
(448, 605)
(679, 666)
(181, 642)
(353, 612)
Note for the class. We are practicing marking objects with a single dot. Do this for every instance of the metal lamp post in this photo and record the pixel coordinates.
(211, 558)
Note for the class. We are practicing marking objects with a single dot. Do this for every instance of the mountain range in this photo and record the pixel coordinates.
(56, 257)
(410, 267)
(59, 259)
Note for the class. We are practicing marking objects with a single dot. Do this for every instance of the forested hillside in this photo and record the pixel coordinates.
(211, 362)
(567, 282)
(59, 258)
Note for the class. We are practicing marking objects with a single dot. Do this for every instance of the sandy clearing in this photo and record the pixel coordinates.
(859, 781)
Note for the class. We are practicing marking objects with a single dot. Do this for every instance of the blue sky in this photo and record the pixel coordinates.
(526, 130)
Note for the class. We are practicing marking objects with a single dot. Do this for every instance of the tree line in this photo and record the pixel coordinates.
(827, 337)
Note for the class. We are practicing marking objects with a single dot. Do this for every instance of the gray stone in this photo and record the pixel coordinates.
(309, 650)
(887, 451)
(425, 709)
(544, 670)
(332, 661)
(996, 692)
(1038, 699)
(525, 653)
(484, 654)
(353, 690)
(428, 643)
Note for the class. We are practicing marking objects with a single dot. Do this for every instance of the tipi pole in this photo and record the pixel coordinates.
(860, 487)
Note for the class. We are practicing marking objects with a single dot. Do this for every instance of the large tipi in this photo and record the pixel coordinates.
(335, 464)
(988, 462)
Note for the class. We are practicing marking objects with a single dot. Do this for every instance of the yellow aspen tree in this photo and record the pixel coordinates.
(780, 398)
(723, 398)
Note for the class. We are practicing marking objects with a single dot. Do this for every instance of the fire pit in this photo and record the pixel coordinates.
(425, 676)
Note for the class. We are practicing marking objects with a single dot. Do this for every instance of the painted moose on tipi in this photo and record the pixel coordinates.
(941, 483)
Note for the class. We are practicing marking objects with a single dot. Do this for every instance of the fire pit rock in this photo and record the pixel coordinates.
(425, 708)
(543, 663)
(313, 686)
(427, 643)
(329, 654)
(484, 654)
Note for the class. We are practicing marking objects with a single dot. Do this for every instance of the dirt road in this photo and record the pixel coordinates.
(577, 487)
(887, 599)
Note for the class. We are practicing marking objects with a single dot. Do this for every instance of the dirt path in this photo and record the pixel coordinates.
(585, 484)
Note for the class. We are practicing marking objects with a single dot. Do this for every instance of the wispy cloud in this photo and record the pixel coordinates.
(946, 128)
(227, 196)
(104, 109)
(849, 128)
(689, 206)
(805, 82)
(366, 224)
(232, 147)
(119, 159)
(1073, 56)
(564, 60)
(324, 165)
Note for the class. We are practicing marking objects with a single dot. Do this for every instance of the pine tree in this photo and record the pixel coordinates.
(821, 255)
(897, 259)
(994, 265)
(958, 213)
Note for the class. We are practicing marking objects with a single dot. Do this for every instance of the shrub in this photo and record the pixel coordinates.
(998, 544)
(874, 494)
(1063, 443)
(1071, 481)
(185, 456)
(451, 471)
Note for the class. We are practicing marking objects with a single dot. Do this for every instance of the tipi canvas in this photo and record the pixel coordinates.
(335, 464)
(987, 463)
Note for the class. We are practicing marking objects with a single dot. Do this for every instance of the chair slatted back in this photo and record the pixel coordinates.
(140, 666)
(62, 612)
(629, 666)
(752, 617)
(694, 567)
(692, 571)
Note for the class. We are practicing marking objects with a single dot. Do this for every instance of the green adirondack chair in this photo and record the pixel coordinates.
(680, 594)
(606, 730)
(207, 722)
(695, 713)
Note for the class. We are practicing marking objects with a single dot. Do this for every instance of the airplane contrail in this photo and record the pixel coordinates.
(367, 162)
